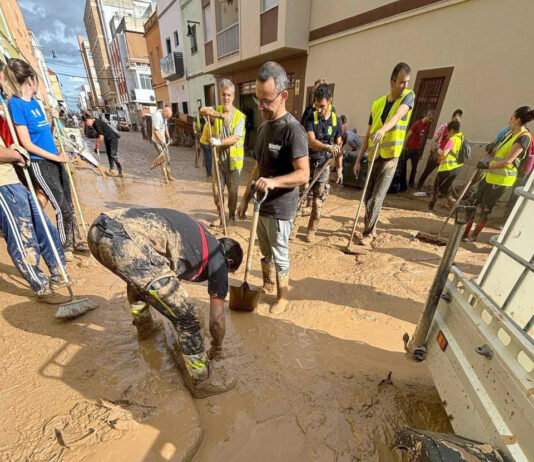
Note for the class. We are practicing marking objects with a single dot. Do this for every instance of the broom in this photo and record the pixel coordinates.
(75, 307)
(160, 159)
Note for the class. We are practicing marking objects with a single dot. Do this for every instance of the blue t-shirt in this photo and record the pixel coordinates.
(30, 114)
(500, 136)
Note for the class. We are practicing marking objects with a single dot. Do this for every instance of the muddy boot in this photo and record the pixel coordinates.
(367, 239)
(142, 320)
(313, 224)
(207, 378)
(282, 280)
(465, 237)
(82, 248)
(268, 271)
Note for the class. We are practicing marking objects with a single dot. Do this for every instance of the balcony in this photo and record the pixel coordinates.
(228, 41)
(172, 66)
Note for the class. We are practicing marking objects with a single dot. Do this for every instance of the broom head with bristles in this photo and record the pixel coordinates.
(75, 308)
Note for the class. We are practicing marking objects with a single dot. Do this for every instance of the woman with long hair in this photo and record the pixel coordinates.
(46, 169)
(502, 169)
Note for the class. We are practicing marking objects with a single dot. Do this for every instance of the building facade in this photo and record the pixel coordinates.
(201, 85)
(153, 45)
(96, 101)
(172, 63)
(239, 36)
(42, 70)
(15, 41)
(130, 66)
(84, 98)
(55, 87)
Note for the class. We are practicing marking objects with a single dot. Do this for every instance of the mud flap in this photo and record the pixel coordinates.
(424, 446)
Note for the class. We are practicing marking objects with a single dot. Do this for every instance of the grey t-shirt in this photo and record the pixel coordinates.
(353, 141)
(278, 143)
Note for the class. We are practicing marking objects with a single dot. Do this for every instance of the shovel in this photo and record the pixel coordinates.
(349, 250)
(243, 297)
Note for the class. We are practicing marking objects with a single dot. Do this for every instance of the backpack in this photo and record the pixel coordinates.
(465, 152)
(527, 163)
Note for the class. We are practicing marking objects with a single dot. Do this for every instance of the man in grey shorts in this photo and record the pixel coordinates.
(160, 135)
(281, 154)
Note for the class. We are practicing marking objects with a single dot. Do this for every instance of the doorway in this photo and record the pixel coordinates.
(430, 90)
(209, 95)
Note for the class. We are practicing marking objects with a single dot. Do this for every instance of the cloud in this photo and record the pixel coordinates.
(78, 79)
(28, 6)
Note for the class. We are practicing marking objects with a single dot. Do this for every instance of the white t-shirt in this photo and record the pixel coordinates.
(7, 174)
(159, 123)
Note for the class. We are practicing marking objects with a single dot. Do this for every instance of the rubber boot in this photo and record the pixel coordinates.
(313, 224)
(479, 227)
(282, 282)
(142, 320)
(268, 271)
(208, 378)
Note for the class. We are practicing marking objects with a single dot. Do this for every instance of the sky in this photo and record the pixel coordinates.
(56, 24)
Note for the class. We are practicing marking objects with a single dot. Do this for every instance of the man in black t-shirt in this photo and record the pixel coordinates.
(281, 154)
(324, 131)
(110, 138)
(153, 250)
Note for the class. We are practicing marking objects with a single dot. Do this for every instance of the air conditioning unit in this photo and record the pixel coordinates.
(152, 98)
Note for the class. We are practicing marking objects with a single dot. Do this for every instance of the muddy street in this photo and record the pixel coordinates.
(310, 382)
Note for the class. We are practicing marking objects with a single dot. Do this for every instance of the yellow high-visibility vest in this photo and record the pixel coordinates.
(392, 142)
(237, 151)
(450, 162)
(505, 176)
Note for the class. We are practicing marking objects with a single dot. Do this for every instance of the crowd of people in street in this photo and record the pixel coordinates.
(154, 250)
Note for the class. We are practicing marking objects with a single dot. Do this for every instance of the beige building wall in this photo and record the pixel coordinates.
(486, 41)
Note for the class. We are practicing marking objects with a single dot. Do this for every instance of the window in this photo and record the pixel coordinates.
(206, 17)
(168, 43)
(194, 45)
(186, 109)
(145, 81)
(268, 4)
(176, 41)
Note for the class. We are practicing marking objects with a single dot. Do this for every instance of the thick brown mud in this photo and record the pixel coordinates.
(311, 383)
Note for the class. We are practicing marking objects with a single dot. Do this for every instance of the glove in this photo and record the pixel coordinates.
(339, 179)
(215, 141)
(483, 164)
(22, 152)
(96, 148)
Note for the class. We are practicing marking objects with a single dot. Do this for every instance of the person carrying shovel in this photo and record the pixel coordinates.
(388, 122)
(228, 136)
(153, 250)
(281, 154)
(324, 131)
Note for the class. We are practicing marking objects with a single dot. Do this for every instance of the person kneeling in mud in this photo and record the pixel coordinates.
(153, 250)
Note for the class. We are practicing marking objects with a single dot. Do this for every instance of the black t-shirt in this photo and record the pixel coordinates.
(323, 134)
(102, 128)
(176, 236)
(408, 100)
(278, 143)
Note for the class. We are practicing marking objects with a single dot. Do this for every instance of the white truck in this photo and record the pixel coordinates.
(476, 336)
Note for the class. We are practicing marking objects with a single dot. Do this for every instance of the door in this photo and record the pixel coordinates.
(430, 89)
(209, 95)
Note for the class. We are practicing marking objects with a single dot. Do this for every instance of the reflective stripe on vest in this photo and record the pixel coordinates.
(393, 140)
(330, 127)
(237, 151)
(504, 176)
(450, 162)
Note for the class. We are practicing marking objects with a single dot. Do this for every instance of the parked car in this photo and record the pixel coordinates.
(123, 126)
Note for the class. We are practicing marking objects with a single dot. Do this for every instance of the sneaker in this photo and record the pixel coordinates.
(68, 255)
(82, 248)
(52, 298)
(367, 239)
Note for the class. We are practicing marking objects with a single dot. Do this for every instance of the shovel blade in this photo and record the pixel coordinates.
(244, 298)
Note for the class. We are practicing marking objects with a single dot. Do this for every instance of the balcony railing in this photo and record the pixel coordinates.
(228, 41)
(172, 66)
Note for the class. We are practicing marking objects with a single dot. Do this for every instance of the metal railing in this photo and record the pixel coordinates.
(228, 41)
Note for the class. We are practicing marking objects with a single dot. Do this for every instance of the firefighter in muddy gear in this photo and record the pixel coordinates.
(153, 250)
(324, 130)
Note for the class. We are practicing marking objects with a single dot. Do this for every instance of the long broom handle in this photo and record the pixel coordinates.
(356, 218)
(254, 227)
(218, 180)
(71, 181)
(462, 194)
(37, 203)
(313, 181)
